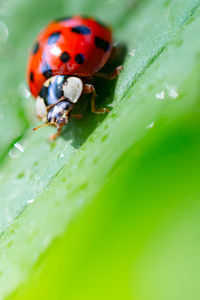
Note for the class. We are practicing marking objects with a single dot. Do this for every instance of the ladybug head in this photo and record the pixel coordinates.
(59, 114)
(65, 91)
(57, 98)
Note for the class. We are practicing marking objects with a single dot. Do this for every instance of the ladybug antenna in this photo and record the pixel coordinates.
(41, 126)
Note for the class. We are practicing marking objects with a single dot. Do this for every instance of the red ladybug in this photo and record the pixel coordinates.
(66, 54)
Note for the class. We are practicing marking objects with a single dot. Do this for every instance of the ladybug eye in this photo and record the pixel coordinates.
(73, 88)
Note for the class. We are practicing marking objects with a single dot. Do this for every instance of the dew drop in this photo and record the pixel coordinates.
(115, 44)
(150, 125)
(172, 91)
(12, 153)
(132, 52)
(16, 150)
(61, 156)
(24, 91)
(30, 201)
(19, 147)
(160, 95)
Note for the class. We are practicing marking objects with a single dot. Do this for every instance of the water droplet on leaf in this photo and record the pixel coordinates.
(160, 95)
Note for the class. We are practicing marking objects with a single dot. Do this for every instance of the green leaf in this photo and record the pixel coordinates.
(110, 210)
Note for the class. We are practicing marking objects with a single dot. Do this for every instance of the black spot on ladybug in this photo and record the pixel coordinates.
(81, 29)
(35, 48)
(47, 74)
(64, 57)
(79, 58)
(31, 76)
(102, 44)
(52, 39)
(46, 70)
(44, 94)
(63, 19)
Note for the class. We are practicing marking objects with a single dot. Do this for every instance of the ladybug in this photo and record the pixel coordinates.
(64, 58)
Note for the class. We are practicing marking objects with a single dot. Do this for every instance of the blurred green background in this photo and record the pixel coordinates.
(111, 209)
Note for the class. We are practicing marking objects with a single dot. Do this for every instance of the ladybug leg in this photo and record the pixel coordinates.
(54, 136)
(89, 89)
(112, 75)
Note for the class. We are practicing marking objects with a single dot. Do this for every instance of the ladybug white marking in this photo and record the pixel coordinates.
(73, 88)
(41, 109)
(55, 50)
